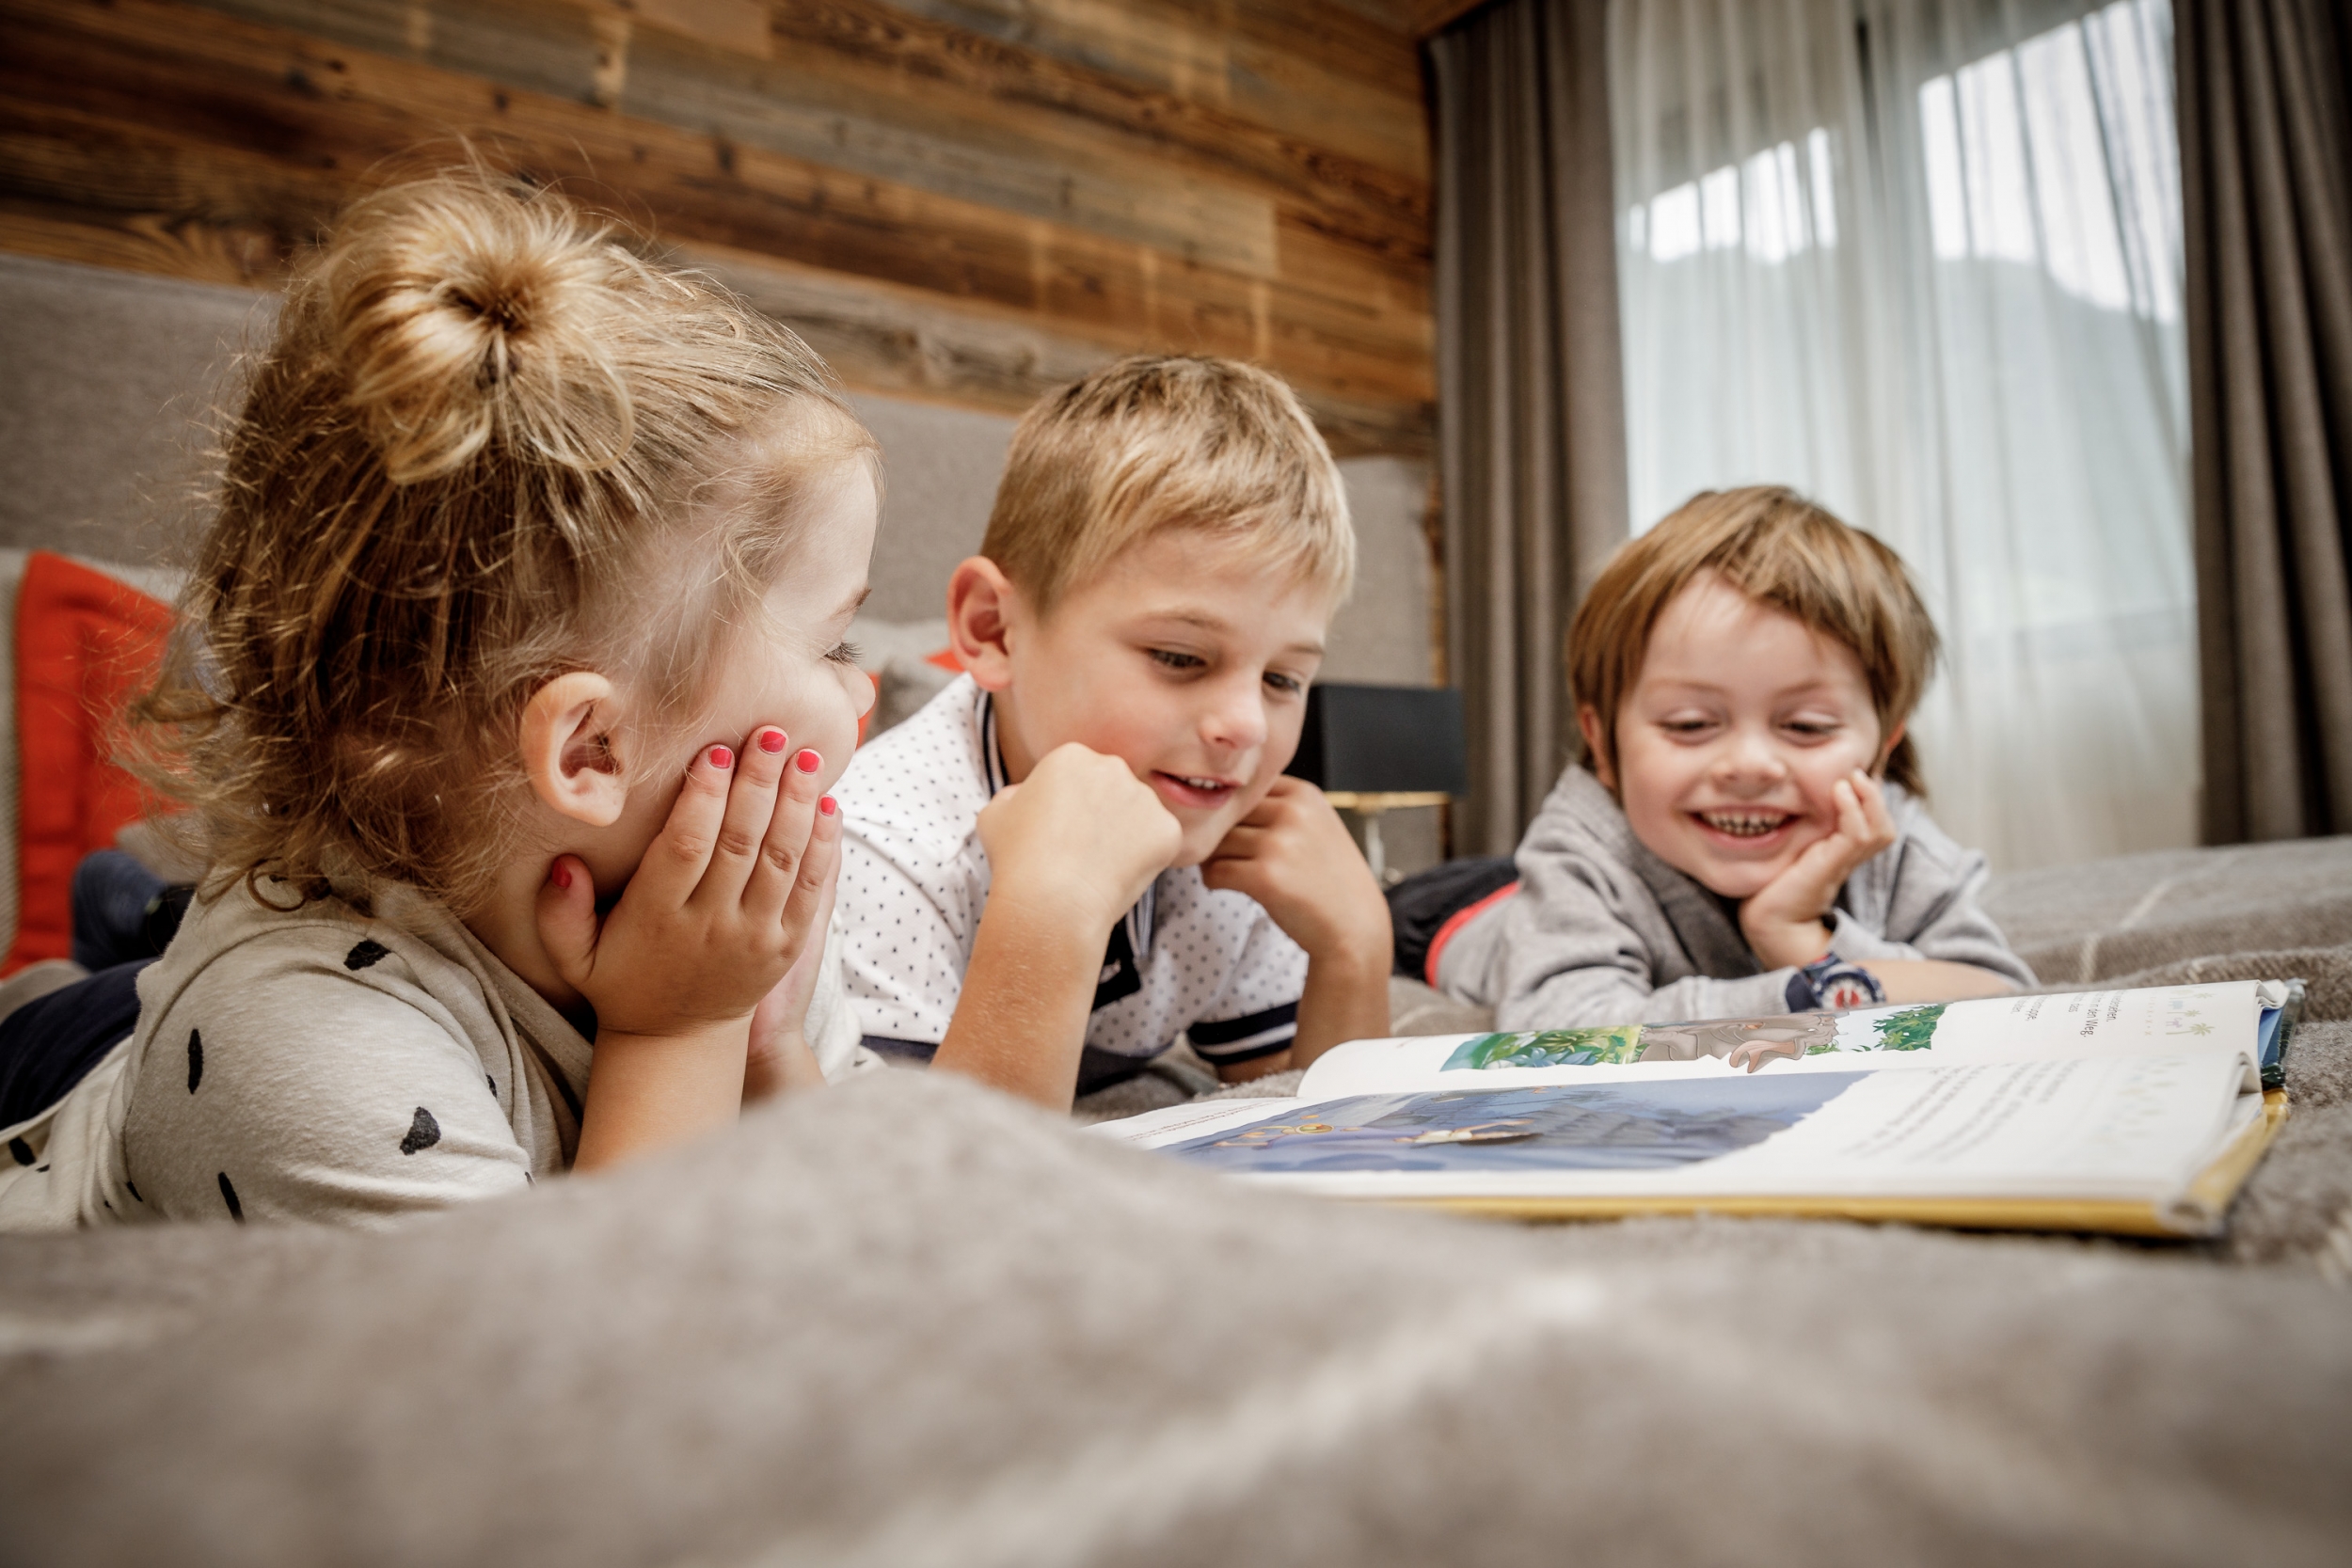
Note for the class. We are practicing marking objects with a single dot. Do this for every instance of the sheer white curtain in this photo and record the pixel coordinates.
(1922, 261)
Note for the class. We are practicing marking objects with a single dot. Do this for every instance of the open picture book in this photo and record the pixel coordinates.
(2139, 1111)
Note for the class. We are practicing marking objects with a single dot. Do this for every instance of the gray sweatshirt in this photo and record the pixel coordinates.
(1602, 931)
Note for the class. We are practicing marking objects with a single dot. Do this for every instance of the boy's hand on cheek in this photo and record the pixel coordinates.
(1784, 921)
(1293, 854)
(1081, 835)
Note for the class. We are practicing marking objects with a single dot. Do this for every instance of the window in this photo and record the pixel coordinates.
(1921, 260)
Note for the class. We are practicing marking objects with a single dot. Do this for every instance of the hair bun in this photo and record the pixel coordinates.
(473, 314)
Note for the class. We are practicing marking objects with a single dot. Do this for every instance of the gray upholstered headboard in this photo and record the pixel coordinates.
(111, 382)
(111, 379)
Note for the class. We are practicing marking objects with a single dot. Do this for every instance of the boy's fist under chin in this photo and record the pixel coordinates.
(1081, 835)
(1784, 919)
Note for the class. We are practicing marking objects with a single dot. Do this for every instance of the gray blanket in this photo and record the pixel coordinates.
(910, 1323)
(2078, 925)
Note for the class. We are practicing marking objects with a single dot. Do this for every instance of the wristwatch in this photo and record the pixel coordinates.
(1831, 985)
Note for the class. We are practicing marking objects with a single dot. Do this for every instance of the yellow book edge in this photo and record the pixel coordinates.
(2209, 1193)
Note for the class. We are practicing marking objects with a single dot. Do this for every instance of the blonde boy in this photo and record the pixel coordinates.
(1745, 834)
(1085, 845)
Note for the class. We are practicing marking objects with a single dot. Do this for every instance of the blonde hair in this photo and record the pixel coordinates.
(1155, 442)
(491, 443)
(1779, 550)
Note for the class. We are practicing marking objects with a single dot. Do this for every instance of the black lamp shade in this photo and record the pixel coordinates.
(1384, 740)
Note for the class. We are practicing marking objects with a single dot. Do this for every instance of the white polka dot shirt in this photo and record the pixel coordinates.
(1187, 959)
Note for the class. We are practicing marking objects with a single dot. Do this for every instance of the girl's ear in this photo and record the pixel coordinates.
(983, 603)
(1887, 753)
(566, 738)
(1588, 725)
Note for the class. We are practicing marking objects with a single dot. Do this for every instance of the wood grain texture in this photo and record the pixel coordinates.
(1371, 205)
(1430, 17)
(943, 211)
(1309, 71)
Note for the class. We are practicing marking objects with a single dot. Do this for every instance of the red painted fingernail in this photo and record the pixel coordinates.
(827, 805)
(809, 762)
(721, 758)
(771, 742)
(561, 876)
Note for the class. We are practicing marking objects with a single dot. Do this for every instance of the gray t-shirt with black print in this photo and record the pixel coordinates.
(353, 1059)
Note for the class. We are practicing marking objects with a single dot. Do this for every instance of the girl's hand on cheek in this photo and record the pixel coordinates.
(728, 896)
(1784, 921)
(779, 1060)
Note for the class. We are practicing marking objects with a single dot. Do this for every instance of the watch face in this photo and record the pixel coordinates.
(1846, 991)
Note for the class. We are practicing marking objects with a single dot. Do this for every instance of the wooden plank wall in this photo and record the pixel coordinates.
(968, 200)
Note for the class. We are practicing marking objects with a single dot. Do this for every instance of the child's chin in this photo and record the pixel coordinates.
(1741, 879)
(1197, 846)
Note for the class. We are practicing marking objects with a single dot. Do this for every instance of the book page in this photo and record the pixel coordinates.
(1193, 1119)
(2135, 1128)
(2222, 1018)
(2079, 1126)
(1455, 1061)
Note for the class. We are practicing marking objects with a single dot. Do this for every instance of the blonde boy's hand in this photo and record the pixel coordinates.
(1785, 921)
(1293, 854)
(1069, 849)
(1080, 837)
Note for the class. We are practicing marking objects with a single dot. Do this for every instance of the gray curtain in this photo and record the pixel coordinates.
(2266, 189)
(1531, 410)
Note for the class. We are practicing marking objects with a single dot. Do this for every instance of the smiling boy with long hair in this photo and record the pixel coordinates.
(1746, 833)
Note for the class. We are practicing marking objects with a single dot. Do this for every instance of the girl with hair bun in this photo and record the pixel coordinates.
(509, 685)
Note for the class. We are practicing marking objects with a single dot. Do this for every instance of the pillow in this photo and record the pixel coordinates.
(86, 643)
(11, 574)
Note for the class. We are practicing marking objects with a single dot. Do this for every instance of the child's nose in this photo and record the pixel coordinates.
(1235, 720)
(1753, 759)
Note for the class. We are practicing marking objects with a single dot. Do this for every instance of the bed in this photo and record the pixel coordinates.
(909, 1322)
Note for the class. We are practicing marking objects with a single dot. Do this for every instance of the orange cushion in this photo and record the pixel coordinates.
(86, 644)
(864, 719)
(945, 660)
